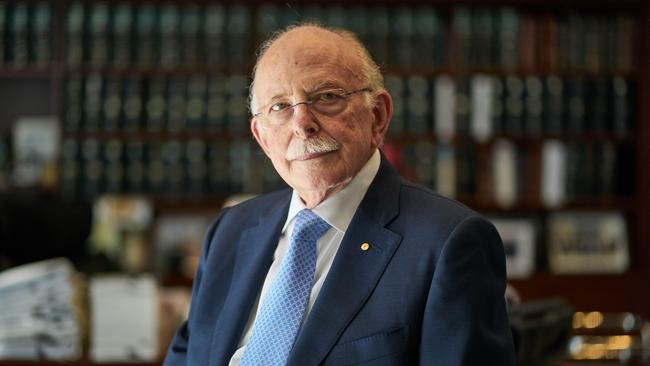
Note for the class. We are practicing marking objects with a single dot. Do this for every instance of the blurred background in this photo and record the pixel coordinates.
(124, 129)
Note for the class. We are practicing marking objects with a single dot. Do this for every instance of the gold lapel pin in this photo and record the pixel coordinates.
(365, 246)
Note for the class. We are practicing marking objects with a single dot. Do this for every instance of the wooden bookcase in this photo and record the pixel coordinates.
(34, 91)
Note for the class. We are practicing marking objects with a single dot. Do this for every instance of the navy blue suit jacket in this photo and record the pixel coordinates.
(429, 291)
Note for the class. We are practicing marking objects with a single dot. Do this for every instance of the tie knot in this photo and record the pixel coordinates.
(309, 225)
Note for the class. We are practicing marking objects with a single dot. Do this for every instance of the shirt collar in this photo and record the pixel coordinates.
(339, 209)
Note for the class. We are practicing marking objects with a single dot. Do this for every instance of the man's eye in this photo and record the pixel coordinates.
(279, 107)
(327, 97)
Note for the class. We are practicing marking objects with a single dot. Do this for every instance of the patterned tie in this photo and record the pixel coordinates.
(284, 306)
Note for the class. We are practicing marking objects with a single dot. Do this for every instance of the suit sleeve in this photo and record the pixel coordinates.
(465, 320)
(177, 351)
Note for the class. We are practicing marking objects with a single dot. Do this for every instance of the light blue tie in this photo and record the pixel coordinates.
(285, 303)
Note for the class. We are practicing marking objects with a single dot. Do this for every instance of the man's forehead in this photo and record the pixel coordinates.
(308, 48)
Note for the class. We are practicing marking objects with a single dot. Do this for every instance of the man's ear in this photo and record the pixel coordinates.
(383, 111)
(258, 132)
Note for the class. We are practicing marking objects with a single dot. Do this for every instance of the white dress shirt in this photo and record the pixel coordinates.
(336, 211)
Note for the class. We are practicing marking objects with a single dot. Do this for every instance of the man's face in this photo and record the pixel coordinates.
(296, 67)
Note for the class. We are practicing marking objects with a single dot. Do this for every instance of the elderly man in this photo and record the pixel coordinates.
(354, 265)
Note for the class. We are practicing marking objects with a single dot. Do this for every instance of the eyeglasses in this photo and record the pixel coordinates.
(327, 103)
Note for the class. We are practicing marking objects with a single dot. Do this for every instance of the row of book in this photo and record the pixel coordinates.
(569, 171)
(26, 33)
(497, 37)
(166, 168)
(157, 34)
(169, 35)
(174, 103)
(483, 106)
(479, 106)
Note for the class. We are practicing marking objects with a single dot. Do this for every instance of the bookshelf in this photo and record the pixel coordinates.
(111, 99)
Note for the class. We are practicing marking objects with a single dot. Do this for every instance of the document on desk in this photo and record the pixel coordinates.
(125, 318)
(41, 313)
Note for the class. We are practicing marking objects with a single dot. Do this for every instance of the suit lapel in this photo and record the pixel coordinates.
(254, 256)
(354, 272)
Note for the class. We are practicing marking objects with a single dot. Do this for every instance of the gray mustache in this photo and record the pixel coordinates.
(322, 144)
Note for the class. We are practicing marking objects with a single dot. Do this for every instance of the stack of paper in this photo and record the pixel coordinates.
(41, 312)
(125, 318)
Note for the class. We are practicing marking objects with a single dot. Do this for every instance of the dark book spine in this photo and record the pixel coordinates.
(168, 33)
(626, 37)
(593, 42)
(514, 106)
(418, 104)
(462, 32)
(92, 168)
(134, 166)
(156, 107)
(42, 34)
(528, 43)
(482, 33)
(238, 160)
(554, 106)
(69, 179)
(426, 27)
(239, 36)
(112, 103)
(175, 174)
(214, 36)
(19, 35)
(379, 22)
(401, 53)
(534, 106)
(236, 108)
(74, 101)
(113, 166)
(575, 111)
(196, 167)
(597, 100)
(620, 106)
(196, 97)
(122, 35)
(498, 106)
(155, 168)
(145, 47)
(74, 34)
(191, 29)
(98, 32)
(216, 104)
(93, 97)
(463, 106)
(606, 166)
(177, 103)
(4, 18)
(218, 166)
(133, 105)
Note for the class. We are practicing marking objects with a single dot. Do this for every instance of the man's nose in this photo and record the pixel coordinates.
(304, 121)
